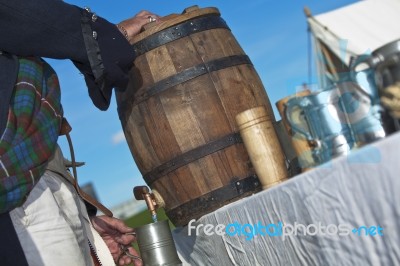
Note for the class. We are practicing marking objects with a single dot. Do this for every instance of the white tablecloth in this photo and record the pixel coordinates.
(362, 189)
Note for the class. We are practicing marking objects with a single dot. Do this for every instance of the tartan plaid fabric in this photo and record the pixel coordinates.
(30, 137)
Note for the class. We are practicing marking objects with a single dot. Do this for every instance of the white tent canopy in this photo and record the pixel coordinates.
(359, 28)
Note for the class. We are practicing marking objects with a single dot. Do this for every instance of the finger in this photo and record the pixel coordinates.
(133, 252)
(138, 262)
(143, 13)
(125, 239)
(129, 256)
(128, 260)
(114, 248)
(125, 260)
(153, 18)
(116, 253)
(120, 256)
(119, 259)
(118, 225)
(148, 15)
(116, 256)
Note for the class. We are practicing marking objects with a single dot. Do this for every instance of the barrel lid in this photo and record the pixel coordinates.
(174, 19)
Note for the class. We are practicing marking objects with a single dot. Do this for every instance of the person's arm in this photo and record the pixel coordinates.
(53, 29)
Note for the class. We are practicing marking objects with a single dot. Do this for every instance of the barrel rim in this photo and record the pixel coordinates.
(174, 21)
(179, 31)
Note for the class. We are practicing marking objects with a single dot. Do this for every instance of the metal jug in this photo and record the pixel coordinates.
(327, 124)
(363, 112)
(375, 73)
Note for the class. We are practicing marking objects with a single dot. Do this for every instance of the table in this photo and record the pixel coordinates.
(362, 189)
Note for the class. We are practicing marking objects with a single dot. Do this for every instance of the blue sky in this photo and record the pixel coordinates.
(272, 33)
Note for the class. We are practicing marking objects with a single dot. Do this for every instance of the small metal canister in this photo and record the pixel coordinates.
(156, 244)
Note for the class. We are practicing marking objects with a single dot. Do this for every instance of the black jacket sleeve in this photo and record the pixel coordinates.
(53, 29)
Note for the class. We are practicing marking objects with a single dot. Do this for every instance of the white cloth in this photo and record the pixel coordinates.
(361, 189)
(53, 225)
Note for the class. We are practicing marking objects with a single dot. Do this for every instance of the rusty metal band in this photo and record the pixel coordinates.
(178, 31)
(191, 73)
(213, 200)
(191, 156)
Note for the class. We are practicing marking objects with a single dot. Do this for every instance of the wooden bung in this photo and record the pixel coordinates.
(262, 144)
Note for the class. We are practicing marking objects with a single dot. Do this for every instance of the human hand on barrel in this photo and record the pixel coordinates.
(118, 237)
(132, 26)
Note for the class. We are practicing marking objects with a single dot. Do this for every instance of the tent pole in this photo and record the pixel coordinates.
(331, 65)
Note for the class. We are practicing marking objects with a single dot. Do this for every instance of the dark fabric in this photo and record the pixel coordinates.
(52, 28)
(8, 76)
(11, 253)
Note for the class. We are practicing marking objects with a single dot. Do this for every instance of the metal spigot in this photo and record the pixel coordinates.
(143, 193)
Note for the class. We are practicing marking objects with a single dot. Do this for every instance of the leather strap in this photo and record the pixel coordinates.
(86, 197)
(65, 130)
(65, 127)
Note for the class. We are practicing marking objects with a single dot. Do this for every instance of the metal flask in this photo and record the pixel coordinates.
(156, 244)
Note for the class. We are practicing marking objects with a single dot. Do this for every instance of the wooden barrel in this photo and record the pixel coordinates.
(189, 81)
